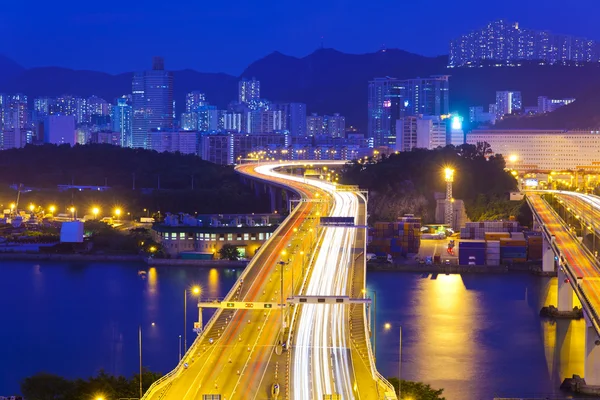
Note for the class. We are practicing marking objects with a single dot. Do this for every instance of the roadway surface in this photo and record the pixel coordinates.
(232, 356)
(239, 356)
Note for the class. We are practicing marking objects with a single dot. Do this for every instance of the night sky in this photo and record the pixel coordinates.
(227, 35)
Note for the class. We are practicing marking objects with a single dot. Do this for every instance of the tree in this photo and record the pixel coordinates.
(416, 390)
(45, 386)
(229, 252)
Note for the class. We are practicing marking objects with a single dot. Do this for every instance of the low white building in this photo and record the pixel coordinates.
(541, 149)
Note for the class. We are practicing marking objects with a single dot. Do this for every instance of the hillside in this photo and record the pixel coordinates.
(329, 81)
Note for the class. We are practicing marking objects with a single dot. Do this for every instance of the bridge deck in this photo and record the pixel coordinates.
(579, 263)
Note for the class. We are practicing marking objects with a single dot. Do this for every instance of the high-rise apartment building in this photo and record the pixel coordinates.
(64, 105)
(208, 118)
(189, 121)
(122, 118)
(193, 100)
(506, 43)
(41, 105)
(335, 125)
(297, 119)
(391, 99)
(248, 90)
(508, 102)
(546, 105)
(315, 125)
(152, 102)
(60, 129)
(265, 121)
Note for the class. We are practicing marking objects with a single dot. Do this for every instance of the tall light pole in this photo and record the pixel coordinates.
(195, 290)
(140, 345)
(281, 264)
(387, 327)
(449, 178)
(179, 347)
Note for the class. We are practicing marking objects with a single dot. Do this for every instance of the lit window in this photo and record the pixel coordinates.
(246, 236)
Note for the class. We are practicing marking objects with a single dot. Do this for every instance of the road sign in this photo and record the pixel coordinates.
(347, 188)
(248, 305)
(336, 221)
(326, 300)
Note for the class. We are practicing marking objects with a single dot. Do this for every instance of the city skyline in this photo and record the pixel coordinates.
(250, 31)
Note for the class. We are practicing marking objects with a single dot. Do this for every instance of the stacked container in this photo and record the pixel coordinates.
(492, 252)
(477, 230)
(534, 246)
(471, 252)
(513, 250)
(397, 238)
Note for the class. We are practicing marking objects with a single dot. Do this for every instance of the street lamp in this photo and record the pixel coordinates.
(195, 291)
(72, 209)
(95, 211)
(118, 213)
(449, 178)
(52, 209)
(387, 327)
(31, 207)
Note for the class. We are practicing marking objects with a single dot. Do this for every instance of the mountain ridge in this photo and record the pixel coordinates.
(330, 81)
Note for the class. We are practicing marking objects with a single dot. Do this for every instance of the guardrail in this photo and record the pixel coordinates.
(180, 366)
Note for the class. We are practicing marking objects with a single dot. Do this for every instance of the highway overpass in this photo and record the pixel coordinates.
(309, 351)
(577, 266)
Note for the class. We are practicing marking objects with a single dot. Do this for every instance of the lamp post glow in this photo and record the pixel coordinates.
(31, 207)
(196, 291)
(449, 178)
(52, 209)
(118, 213)
(95, 211)
(72, 209)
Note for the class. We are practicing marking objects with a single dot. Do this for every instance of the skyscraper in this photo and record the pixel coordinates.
(314, 125)
(297, 119)
(193, 100)
(248, 90)
(152, 102)
(391, 99)
(335, 125)
(507, 102)
(121, 117)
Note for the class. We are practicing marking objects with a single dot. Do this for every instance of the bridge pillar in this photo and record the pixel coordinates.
(565, 292)
(273, 196)
(592, 354)
(536, 225)
(548, 256)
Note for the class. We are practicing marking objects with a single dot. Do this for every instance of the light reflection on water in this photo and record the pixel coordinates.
(476, 336)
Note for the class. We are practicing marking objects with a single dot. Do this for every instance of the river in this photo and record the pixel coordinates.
(476, 336)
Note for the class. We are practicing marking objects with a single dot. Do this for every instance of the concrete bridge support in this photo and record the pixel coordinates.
(273, 196)
(565, 292)
(548, 264)
(592, 354)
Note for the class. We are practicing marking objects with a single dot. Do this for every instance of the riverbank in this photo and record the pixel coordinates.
(122, 258)
(197, 263)
(534, 269)
(71, 257)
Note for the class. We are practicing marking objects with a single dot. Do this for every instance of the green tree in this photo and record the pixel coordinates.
(229, 252)
(416, 390)
(45, 386)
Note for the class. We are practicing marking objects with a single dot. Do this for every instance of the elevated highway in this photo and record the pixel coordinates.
(308, 350)
(578, 269)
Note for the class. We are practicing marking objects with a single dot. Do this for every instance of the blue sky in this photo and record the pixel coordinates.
(227, 35)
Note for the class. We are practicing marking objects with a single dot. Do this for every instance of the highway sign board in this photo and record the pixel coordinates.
(249, 305)
(326, 300)
(336, 221)
(347, 188)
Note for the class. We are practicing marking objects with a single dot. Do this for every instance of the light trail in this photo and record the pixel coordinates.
(322, 344)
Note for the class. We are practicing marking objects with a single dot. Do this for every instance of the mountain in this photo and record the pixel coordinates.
(9, 69)
(330, 81)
